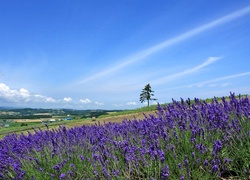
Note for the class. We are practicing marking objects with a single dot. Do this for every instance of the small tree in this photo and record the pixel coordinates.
(146, 94)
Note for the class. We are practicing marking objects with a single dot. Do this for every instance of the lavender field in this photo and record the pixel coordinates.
(183, 141)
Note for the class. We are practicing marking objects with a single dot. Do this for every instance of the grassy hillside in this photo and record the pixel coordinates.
(108, 116)
(185, 140)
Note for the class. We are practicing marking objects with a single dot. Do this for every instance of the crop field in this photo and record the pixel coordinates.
(182, 140)
(31, 124)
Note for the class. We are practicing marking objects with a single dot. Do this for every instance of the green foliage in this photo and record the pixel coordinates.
(24, 124)
(146, 94)
(25, 117)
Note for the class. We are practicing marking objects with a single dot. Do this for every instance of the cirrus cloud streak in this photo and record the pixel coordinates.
(139, 56)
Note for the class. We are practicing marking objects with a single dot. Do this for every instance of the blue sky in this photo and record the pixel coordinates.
(101, 54)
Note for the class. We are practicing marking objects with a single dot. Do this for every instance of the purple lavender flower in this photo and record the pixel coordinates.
(56, 167)
(172, 147)
(217, 146)
(175, 135)
(37, 162)
(116, 173)
(180, 166)
(81, 157)
(227, 160)
(70, 173)
(193, 154)
(95, 172)
(106, 173)
(205, 162)
(162, 156)
(165, 173)
(215, 168)
(22, 174)
(182, 177)
(62, 176)
(72, 166)
(16, 167)
(95, 157)
(40, 169)
(186, 161)
(201, 148)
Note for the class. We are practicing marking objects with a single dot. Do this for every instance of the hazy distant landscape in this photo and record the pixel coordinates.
(26, 118)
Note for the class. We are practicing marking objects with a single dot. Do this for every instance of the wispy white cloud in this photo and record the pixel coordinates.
(85, 101)
(24, 93)
(213, 85)
(216, 85)
(132, 103)
(125, 86)
(42, 98)
(117, 105)
(67, 99)
(156, 48)
(99, 103)
(195, 69)
(220, 79)
(225, 84)
(209, 82)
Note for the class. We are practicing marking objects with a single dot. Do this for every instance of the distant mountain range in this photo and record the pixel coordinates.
(17, 112)
(7, 108)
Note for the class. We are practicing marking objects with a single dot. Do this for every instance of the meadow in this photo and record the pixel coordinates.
(182, 140)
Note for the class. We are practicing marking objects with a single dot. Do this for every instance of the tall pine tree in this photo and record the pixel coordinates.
(146, 94)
